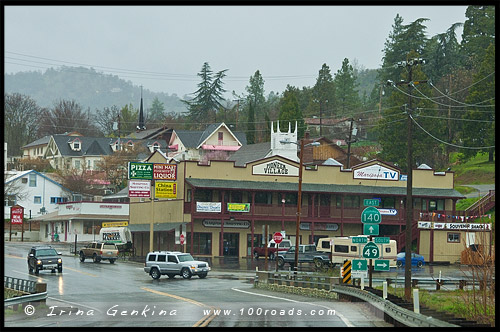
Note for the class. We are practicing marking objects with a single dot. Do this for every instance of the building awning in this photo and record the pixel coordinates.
(321, 188)
(53, 216)
(158, 227)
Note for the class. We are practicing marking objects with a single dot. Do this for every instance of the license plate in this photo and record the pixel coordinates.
(110, 253)
(50, 266)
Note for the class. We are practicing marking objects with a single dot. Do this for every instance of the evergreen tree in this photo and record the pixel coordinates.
(290, 111)
(346, 96)
(324, 92)
(478, 33)
(156, 114)
(128, 119)
(255, 106)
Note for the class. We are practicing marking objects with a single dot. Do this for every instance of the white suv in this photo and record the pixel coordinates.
(174, 263)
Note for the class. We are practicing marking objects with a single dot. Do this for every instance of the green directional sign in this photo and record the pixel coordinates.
(359, 239)
(142, 171)
(371, 202)
(359, 265)
(370, 229)
(371, 215)
(384, 240)
(371, 250)
(381, 265)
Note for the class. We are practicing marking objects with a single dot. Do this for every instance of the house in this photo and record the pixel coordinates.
(36, 192)
(217, 141)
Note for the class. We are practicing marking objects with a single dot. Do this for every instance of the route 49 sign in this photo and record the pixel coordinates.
(371, 250)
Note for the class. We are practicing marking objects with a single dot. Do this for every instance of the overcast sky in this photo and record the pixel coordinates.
(163, 48)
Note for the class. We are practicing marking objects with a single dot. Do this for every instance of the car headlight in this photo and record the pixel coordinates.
(39, 262)
(59, 261)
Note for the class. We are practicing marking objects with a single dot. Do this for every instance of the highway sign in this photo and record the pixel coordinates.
(371, 202)
(359, 239)
(371, 215)
(370, 229)
(381, 265)
(371, 250)
(359, 265)
(382, 239)
(277, 237)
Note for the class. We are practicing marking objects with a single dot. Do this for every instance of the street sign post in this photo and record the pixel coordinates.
(359, 239)
(383, 240)
(371, 215)
(370, 229)
(381, 265)
(371, 251)
(277, 237)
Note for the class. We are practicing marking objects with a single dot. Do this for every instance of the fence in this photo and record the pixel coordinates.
(32, 291)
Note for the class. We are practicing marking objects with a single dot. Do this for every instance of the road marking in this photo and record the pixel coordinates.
(342, 317)
(12, 256)
(204, 321)
(34, 276)
(75, 270)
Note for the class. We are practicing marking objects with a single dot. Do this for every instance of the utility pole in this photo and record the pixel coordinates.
(409, 184)
(349, 146)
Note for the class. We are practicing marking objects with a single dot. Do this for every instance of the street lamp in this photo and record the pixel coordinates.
(299, 200)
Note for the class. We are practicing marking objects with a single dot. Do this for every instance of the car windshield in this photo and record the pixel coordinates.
(46, 252)
(185, 258)
(401, 255)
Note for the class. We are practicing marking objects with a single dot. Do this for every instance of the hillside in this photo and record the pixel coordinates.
(91, 89)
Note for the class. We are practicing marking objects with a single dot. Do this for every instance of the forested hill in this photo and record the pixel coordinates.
(87, 87)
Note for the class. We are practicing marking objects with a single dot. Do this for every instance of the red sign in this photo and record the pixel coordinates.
(278, 237)
(16, 214)
(164, 171)
(182, 238)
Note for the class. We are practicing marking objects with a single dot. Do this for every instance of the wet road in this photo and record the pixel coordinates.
(122, 294)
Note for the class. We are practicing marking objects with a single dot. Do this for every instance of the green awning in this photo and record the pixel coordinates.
(321, 188)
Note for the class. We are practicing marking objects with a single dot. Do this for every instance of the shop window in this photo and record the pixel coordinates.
(188, 195)
(324, 200)
(388, 203)
(263, 198)
(202, 243)
(351, 201)
(338, 201)
(203, 195)
(454, 237)
(291, 198)
(236, 197)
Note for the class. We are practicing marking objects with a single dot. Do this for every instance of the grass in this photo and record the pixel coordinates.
(464, 190)
(477, 170)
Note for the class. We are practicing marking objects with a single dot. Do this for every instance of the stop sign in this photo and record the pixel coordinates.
(277, 237)
(182, 238)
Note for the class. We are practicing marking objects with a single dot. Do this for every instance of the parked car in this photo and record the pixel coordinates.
(307, 254)
(44, 258)
(416, 260)
(99, 251)
(174, 263)
(283, 246)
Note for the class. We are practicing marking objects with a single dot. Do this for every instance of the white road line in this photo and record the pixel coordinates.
(27, 274)
(342, 317)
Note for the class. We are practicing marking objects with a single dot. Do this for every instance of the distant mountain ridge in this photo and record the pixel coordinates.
(89, 88)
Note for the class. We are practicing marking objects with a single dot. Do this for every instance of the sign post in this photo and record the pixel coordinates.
(370, 217)
(16, 217)
(277, 237)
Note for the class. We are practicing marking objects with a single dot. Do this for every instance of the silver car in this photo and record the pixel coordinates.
(174, 263)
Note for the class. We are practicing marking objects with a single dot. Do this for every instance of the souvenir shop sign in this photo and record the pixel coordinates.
(454, 226)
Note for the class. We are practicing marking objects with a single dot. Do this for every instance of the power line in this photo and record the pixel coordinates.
(450, 144)
(457, 119)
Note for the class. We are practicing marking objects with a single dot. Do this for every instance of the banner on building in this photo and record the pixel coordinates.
(215, 207)
(227, 223)
(454, 226)
(238, 207)
(376, 172)
(275, 168)
(165, 189)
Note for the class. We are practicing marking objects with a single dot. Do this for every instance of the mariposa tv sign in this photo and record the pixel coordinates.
(376, 172)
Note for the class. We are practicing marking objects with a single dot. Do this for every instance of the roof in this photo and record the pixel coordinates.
(193, 138)
(24, 173)
(54, 216)
(41, 141)
(326, 188)
(251, 152)
(148, 133)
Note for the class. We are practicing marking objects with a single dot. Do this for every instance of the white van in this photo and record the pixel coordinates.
(343, 248)
(120, 236)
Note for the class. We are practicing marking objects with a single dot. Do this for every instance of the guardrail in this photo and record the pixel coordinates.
(332, 284)
(21, 285)
(37, 291)
(36, 297)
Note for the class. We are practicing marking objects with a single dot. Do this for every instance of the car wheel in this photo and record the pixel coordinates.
(95, 259)
(37, 270)
(59, 269)
(171, 276)
(281, 262)
(112, 261)
(399, 264)
(255, 255)
(82, 257)
(186, 274)
(318, 263)
(419, 264)
(155, 274)
(271, 256)
(202, 275)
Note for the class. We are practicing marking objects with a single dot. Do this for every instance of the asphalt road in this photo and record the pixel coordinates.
(482, 189)
(122, 294)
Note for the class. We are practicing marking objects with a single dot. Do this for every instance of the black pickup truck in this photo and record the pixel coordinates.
(307, 254)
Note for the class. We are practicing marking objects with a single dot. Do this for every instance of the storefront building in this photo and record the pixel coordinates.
(223, 208)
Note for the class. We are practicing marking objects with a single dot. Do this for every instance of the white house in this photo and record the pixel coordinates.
(80, 220)
(34, 191)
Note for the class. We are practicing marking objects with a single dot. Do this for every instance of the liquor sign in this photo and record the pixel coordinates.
(275, 168)
(165, 189)
(238, 207)
(16, 214)
(142, 171)
(165, 172)
(137, 188)
(376, 172)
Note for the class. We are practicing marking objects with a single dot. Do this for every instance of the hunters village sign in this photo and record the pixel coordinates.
(275, 168)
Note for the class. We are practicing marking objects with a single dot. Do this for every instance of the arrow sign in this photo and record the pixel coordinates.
(382, 265)
(359, 265)
(370, 229)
